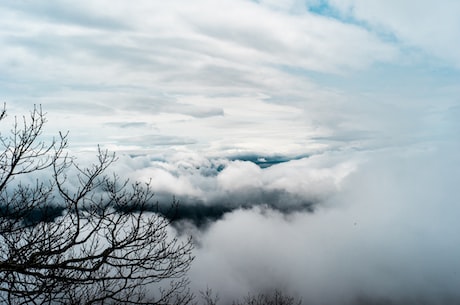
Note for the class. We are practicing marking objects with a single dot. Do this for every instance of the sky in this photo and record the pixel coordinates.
(313, 144)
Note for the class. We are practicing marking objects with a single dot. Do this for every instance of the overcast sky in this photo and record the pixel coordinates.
(327, 130)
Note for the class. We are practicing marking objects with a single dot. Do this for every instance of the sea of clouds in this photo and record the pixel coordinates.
(337, 227)
(312, 145)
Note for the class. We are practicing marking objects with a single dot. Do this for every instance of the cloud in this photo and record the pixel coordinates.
(379, 226)
(154, 140)
(66, 12)
(203, 61)
(237, 77)
(415, 26)
(387, 235)
(209, 187)
(313, 146)
(128, 124)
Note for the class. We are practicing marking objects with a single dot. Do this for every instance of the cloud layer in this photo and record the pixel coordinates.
(386, 236)
(312, 144)
(239, 75)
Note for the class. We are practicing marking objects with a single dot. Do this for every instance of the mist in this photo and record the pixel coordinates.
(373, 226)
(312, 146)
(388, 235)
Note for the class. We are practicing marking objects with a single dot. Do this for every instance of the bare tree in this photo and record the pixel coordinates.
(276, 297)
(209, 297)
(80, 236)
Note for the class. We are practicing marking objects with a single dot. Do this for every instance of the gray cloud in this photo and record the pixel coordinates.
(155, 140)
(194, 111)
(128, 124)
(66, 12)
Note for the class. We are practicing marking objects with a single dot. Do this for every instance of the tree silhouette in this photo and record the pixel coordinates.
(76, 235)
(275, 297)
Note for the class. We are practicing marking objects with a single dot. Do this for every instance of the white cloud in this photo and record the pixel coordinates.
(240, 175)
(202, 59)
(190, 88)
(233, 76)
(432, 26)
(387, 235)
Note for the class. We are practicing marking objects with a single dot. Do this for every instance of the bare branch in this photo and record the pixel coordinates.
(81, 237)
